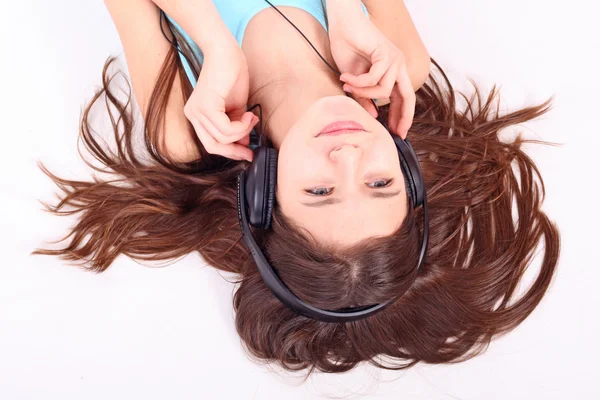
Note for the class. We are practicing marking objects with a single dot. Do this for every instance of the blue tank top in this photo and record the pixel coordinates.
(237, 14)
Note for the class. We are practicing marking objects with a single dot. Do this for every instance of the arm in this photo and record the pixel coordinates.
(145, 51)
(201, 20)
(392, 18)
(394, 21)
(145, 48)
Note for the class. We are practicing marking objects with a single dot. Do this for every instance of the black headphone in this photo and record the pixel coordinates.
(255, 202)
(256, 199)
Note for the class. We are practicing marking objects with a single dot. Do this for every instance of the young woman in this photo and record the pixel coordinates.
(344, 229)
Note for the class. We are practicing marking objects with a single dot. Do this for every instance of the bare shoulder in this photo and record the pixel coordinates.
(146, 49)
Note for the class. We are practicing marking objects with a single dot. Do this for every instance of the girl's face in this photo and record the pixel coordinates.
(341, 182)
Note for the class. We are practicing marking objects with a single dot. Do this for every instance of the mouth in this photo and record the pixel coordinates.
(341, 128)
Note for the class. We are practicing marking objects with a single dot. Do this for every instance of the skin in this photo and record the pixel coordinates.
(299, 103)
(299, 96)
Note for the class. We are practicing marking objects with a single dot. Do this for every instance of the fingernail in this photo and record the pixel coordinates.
(346, 88)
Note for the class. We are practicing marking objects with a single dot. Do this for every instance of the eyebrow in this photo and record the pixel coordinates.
(374, 194)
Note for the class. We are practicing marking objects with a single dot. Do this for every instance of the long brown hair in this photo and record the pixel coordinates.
(156, 209)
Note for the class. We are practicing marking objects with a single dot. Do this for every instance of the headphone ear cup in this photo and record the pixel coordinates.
(254, 188)
(261, 179)
(270, 189)
(408, 181)
(411, 170)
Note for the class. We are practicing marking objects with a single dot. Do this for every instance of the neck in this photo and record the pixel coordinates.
(286, 96)
(286, 75)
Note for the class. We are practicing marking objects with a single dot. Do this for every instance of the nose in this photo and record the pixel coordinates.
(346, 154)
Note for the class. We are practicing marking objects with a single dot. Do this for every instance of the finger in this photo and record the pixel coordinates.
(371, 78)
(381, 90)
(231, 128)
(373, 92)
(218, 135)
(394, 116)
(209, 142)
(232, 151)
(202, 134)
(407, 107)
(237, 113)
(389, 80)
(245, 141)
(402, 106)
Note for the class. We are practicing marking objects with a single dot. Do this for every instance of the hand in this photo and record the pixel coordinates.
(372, 67)
(218, 104)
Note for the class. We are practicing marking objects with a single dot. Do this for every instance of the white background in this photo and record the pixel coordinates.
(167, 333)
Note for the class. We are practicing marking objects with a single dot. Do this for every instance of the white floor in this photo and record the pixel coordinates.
(142, 333)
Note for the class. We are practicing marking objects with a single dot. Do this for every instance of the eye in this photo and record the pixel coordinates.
(381, 183)
(319, 191)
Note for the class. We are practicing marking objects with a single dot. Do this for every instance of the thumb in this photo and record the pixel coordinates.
(244, 141)
(238, 113)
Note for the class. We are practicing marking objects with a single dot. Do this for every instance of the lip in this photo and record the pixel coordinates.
(340, 128)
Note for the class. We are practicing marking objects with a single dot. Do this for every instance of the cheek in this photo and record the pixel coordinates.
(386, 149)
(289, 163)
(298, 164)
(298, 167)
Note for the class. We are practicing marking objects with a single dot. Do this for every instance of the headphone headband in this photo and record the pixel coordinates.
(261, 189)
(276, 285)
